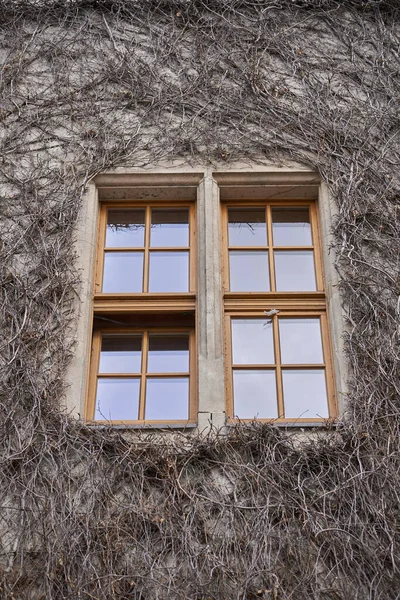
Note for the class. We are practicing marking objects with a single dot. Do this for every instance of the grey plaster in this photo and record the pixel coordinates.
(327, 212)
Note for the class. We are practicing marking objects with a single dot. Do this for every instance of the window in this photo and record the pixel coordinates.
(143, 352)
(210, 302)
(278, 350)
(143, 376)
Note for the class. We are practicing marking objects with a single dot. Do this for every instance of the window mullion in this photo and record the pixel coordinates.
(209, 304)
(142, 399)
(146, 261)
(279, 385)
(270, 250)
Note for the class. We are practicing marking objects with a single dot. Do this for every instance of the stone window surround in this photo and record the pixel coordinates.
(207, 186)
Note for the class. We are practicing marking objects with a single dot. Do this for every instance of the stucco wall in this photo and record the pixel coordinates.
(88, 88)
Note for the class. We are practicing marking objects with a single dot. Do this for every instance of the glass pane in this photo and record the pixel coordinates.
(117, 399)
(123, 272)
(254, 394)
(169, 272)
(249, 271)
(169, 227)
(300, 341)
(167, 399)
(168, 354)
(291, 227)
(120, 354)
(252, 341)
(125, 228)
(295, 271)
(247, 227)
(304, 393)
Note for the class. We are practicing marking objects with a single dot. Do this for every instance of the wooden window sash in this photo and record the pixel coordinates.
(290, 304)
(101, 250)
(143, 375)
(147, 303)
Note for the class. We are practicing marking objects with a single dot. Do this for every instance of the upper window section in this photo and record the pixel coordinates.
(272, 248)
(146, 249)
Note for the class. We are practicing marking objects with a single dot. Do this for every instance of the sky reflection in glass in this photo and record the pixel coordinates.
(169, 272)
(291, 227)
(120, 354)
(252, 341)
(304, 393)
(167, 399)
(125, 228)
(300, 341)
(254, 394)
(249, 271)
(117, 399)
(168, 354)
(169, 227)
(247, 227)
(123, 272)
(294, 271)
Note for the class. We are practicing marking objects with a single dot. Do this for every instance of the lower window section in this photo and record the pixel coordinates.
(280, 368)
(254, 394)
(142, 376)
(304, 394)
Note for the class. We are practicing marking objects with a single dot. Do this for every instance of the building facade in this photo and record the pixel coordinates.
(200, 281)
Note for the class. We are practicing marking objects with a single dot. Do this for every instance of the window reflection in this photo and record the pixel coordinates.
(247, 227)
(291, 227)
(123, 272)
(254, 393)
(300, 341)
(169, 227)
(117, 399)
(120, 354)
(294, 271)
(169, 272)
(304, 393)
(252, 341)
(125, 228)
(249, 271)
(167, 399)
(168, 354)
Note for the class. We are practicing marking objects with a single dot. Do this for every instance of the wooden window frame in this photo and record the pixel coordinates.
(289, 304)
(152, 301)
(144, 375)
(137, 309)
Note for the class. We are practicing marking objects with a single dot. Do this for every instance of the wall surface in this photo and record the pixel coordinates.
(88, 87)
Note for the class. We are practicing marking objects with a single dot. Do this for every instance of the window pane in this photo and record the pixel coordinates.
(295, 271)
(125, 228)
(123, 272)
(169, 272)
(300, 341)
(304, 393)
(168, 354)
(252, 341)
(169, 227)
(247, 227)
(254, 394)
(291, 227)
(167, 399)
(120, 354)
(117, 399)
(249, 271)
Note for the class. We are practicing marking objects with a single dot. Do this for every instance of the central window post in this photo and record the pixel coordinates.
(211, 386)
